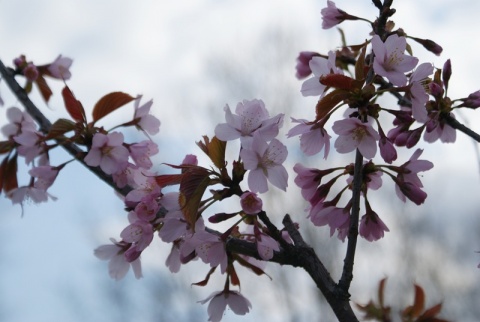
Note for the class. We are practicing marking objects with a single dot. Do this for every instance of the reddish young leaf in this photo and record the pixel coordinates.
(381, 289)
(74, 107)
(10, 174)
(360, 65)
(165, 180)
(418, 304)
(192, 187)
(432, 312)
(255, 269)
(339, 81)
(205, 281)
(110, 103)
(43, 88)
(60, 127)
(2, 172)
(215, 149)
(329, 101)
(5, 146)
(233, 276)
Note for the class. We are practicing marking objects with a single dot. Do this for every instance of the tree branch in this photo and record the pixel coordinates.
(347, 274)
(45, 125)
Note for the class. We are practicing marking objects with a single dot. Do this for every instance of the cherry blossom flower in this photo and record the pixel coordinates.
(438, 129)
(31, 145)
(251, 117)
(266, 245)
(29, 193)
(472, 101)
(118, 266)
(18, 122)
(45, 176)
(264, 160)
(371, 226)
(239, 304)
(141, 153)
(144, 120)
(332, 16)
(308, 179)
(313, 137)
(303, 67)
(108, 152)
(173, 261)
(408, 184)
(251, 203)
(354, 134)
(60, 68)
(390, 60)
(387, 150)
(145, 190)
(417, 93)
(139, 233)
(210, 248)
(320, 66)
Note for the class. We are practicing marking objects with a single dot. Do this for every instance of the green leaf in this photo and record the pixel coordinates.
(73, 106)
(110, 103)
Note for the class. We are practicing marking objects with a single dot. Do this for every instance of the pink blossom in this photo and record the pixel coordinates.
(408, 184)
(145, 190)
(387, 150)
(303, 67)
(251, 203)
(413, 166)
(320, 66)
(313, 137)
(439, 129)
(390, 60)
(173, 261)
(118, 266)
(190, 159)
(251, 117)
(264, 160)
(18, 122)
(29, 193)
(266, 245)
(147, 209)
(141, 153)
(145, 121)
(417, 92)
(108, 152)
(219, 301)
(174, 226)
(371, 226)
(210, 248)
(331, 15)
(472, 101)
(31, 145)
(139, 233)
(308, 179)
(45, 175)
(60, 68)
(353, 134)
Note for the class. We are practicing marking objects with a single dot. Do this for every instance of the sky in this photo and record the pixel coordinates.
(192, 58)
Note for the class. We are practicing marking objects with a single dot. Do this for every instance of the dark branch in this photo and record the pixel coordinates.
(45, 125)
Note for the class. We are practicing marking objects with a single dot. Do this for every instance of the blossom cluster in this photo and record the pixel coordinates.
(347, 81)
